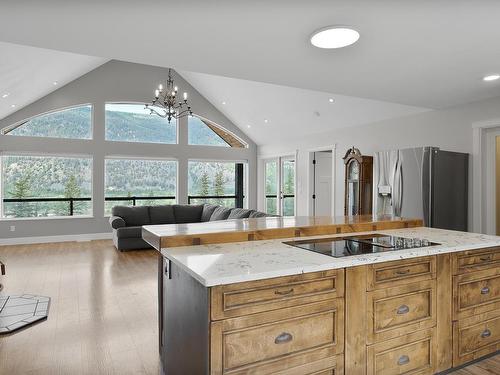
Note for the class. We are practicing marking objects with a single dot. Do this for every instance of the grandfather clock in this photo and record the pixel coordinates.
(358, 183)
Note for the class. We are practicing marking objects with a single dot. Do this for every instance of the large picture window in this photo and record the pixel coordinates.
(133, 123)
(217, 183)
(75, 122)
(46, 186)
(140, 182)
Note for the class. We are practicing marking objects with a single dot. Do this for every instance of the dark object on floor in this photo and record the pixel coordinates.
(127, 221)
(17, 312)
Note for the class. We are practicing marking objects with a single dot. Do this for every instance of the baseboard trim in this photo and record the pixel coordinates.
(48, 239)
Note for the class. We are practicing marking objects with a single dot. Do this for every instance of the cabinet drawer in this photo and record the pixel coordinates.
(398, 311)
(259, 340)
(388, 274)
(476, 292)
(411, 354)
(264, 295)
(476, 337)
(474, 260)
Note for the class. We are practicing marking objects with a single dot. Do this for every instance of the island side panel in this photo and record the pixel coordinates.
(185, 326)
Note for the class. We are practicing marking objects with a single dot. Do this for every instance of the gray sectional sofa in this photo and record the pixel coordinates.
(127, 221)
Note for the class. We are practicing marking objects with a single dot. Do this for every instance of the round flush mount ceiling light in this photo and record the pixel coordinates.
(334, 37)
(491, 77)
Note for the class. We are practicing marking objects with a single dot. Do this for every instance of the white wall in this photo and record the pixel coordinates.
(116, 81)
(450, 129)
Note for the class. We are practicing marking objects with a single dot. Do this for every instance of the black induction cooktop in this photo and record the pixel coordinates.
(366, 244)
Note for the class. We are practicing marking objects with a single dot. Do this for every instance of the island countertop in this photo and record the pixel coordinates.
(227, 263)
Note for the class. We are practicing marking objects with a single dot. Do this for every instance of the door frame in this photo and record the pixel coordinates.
(310, 177)
(481, 195)
(279, 183)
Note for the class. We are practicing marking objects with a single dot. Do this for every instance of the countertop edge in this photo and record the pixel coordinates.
(337, 263)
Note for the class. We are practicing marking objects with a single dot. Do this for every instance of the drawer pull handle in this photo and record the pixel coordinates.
(485, 290)
(403, 309)
(283, 292)
(403, 360)
(402, 272)
(486, 258)
(486, 333)
(283, 338)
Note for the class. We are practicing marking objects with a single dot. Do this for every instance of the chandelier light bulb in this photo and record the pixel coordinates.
(160, 87)
(175, 88)
(157, 93)
(185, 96)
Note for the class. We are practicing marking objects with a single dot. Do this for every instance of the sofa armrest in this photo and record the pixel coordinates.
(116, 222)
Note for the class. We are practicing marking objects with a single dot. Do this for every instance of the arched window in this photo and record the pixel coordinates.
(74, 122)
(131, 122)
(206, 133)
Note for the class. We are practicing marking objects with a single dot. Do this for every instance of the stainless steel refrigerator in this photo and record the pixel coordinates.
(424, 182)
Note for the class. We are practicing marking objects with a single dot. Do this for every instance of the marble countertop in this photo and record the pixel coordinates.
(229, 263)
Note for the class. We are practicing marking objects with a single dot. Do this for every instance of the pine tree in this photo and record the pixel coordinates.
(22, 188)
(219, 186)
(204, 185)
(72, 190)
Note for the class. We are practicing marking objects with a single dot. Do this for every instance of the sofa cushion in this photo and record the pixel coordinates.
(220, 213)
(239, 213)
(208, 210)
(133, 215)
(163, 214)
(187, 213)
(129, 232)
(258, 214)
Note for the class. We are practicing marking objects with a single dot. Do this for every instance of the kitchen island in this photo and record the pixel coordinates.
(260, 306)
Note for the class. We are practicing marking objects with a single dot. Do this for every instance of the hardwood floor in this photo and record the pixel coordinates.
(103, 317)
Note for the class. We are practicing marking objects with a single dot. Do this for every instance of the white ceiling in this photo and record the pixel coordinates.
(290, 112)
(28, 73)
(425, 53)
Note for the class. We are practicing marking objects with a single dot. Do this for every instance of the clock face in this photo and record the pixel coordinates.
(354, 170)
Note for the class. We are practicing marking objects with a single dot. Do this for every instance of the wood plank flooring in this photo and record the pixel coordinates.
(103, 315)
(102, 318)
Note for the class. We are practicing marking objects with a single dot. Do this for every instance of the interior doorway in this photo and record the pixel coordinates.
(322, 183)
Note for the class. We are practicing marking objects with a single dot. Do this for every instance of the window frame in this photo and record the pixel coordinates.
(177, 139)
(132, 157)
(6, 130)
(203, 119)
(245, 173)
(43, 154)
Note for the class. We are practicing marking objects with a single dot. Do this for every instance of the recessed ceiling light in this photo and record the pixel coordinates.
(334, 37)
(492, 77)
(248, 126)
(5, 95)
(54, 83)
(331, 100)
(223, 103)
(266, 120)
(12, 106)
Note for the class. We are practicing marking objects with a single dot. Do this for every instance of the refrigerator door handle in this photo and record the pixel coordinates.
(398, 189)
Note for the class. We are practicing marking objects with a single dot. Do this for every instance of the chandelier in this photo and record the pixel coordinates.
(165, 102)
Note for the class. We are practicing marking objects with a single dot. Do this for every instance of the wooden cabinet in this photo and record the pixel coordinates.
(414, 316)
(411, 354)
(287, 325)
(271, 294)
(476, 304)
(358, 183)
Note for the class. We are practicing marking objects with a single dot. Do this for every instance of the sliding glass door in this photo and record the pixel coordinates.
(280, 186)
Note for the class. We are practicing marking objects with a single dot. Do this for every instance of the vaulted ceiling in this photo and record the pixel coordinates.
(417, 54)
(423, 53)
(28, 73)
